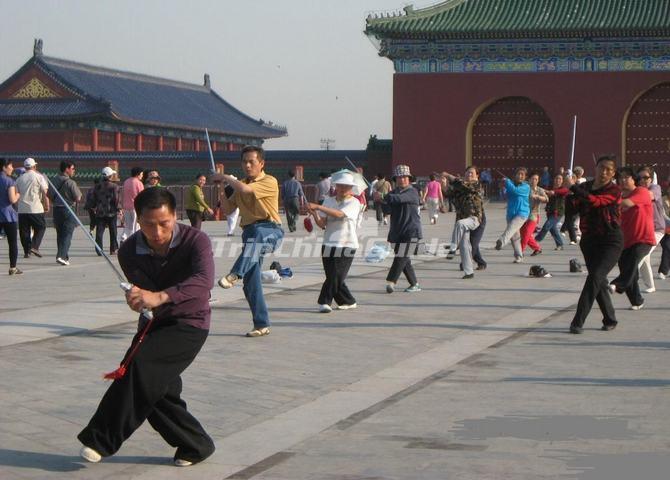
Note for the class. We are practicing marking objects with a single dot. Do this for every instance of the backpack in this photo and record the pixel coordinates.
(575, 266)
(538, 271)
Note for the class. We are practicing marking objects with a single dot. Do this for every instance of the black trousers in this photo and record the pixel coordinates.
(195, 218)
(100, 224)
(476, 237)
(292, 208)
(336, 265)
(11, 230)
(664, 266)
(601, 253)
(629, 273)
(32, 227)
(379, 212)
(402, 263)
(150, 390)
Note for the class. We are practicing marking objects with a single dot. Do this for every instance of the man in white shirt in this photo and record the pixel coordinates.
(33, 188)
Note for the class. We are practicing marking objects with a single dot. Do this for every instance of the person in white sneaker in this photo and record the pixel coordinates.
(637, 224)
(63, 221)
(405, 229)
(645, 177)
(338, 215)
(171, 268)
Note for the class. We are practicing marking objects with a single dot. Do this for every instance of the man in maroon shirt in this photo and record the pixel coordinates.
(172, 270)
(637, 223)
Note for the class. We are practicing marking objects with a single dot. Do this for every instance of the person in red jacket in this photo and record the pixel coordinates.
(598, 203)
(637, 223)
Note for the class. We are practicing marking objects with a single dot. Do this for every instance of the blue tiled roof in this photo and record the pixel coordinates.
(146, 100)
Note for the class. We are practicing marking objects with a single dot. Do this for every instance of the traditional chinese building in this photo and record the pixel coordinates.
(497, 83)
(53, 109)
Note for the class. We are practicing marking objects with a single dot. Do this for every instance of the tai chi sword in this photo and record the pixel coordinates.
(124, 284)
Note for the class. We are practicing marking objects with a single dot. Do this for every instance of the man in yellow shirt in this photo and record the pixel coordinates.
(257, 197)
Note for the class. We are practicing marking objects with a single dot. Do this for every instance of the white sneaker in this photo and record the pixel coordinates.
(180, 462)
(347, 307)
(62, 261)
(636, 307)
(89, 455)
(662, 276)
(325, 308)
(650, 290)
(612, 288)
(518, 259)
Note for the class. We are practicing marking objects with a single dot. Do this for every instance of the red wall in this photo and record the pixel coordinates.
(431, 112)
(32, 142)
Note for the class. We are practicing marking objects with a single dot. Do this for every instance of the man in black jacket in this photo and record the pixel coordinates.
(405, 229)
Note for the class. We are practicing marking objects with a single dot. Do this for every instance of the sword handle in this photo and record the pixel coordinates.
(125, 286)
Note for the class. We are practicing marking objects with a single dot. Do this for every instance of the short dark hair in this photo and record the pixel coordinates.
(323, 175)
(521, 169)
(627, 172)
(153, 198)
(291, 173)
(432, 177)
(253, 148)
(65, 164)
(200, 175)
(136, 171)
(4, 162)
(607, 158)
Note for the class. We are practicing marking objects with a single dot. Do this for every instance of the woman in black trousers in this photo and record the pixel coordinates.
(602, 240)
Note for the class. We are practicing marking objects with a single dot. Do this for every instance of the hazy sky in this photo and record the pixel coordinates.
(304, 64)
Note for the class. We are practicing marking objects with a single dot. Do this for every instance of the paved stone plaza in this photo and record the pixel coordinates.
(467, 379)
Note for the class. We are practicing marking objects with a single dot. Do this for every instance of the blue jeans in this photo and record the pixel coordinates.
(65, 225)
(550, 226)
(259, 239)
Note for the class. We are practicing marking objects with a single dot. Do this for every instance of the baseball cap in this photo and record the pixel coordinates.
(108, 172)
(29, 162)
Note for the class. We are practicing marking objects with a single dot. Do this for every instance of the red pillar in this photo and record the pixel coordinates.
(160, 143)
(179, 144)
(117, 141)
(139, 142)
(94, 140)
(196, 145)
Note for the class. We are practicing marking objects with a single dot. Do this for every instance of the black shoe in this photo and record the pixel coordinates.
(498, 244)
(535, 253)
(576, 330)
(468, 276)
(450, 254)
(608, 326)
(36, 252)
(26, 255)
(481, 267)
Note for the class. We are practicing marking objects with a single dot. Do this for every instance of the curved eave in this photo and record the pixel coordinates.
(120, 118)
(506, 35)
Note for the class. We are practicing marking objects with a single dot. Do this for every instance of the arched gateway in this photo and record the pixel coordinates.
(647, 130)
(511, 132)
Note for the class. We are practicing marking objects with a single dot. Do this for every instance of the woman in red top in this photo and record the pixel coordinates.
(637, 223)
(599, 220)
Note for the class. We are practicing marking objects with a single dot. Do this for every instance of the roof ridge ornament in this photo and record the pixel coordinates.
(208, 83)
(37, 47)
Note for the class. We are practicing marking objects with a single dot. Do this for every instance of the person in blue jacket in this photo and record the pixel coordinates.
(518, 209)
(405, 229)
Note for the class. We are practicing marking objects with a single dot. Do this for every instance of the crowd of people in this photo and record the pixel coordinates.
(618, 217)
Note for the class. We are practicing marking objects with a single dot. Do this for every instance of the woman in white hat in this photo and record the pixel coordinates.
(338, 216)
